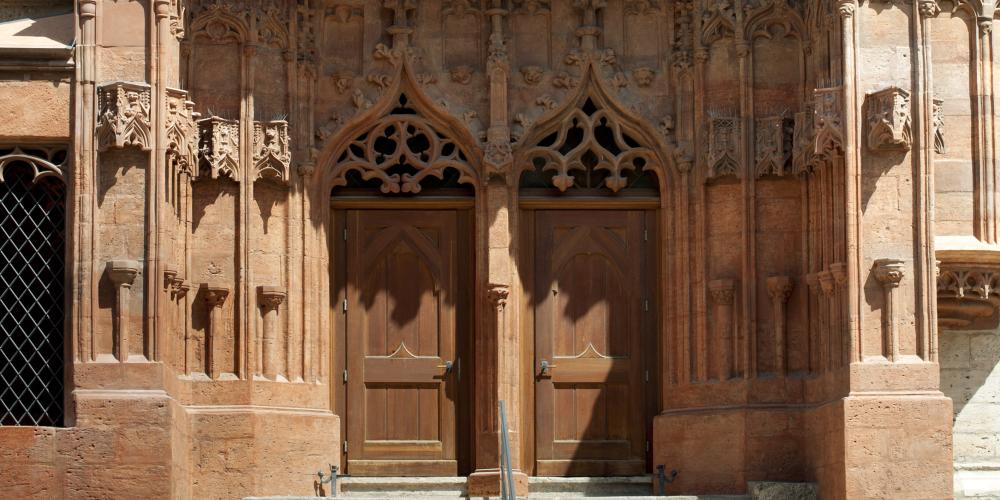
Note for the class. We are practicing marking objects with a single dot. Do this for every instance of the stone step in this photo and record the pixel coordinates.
(571, 487)
(394, 487)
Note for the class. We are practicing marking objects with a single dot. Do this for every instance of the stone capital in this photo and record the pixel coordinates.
(270, 297)
(123, 272)
(722, 291)
(827, 282)
(779, 288)
(889, 272)
(839, 271)
(88, 9)
(497, 294)
(215, 294)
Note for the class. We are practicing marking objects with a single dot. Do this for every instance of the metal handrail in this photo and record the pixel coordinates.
(507, 491)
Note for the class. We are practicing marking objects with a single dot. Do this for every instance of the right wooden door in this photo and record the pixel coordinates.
(589, 369)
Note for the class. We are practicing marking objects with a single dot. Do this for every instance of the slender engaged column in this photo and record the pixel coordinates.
(122, 273)
(215, 298)
(889, 272)
(725, 344)
(780, 290)
(270, 299)
(827, 284)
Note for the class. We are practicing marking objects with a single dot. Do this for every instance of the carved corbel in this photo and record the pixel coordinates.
(124, 118)
(498, 160)
(122, 274)
(271, 155)
(723, 141)
(779, 288)
(929, 8)
(215, 298)
(888, 117)
(722, 293)
(219, 147)
(269, 300)
(889, 272)
(828, 123)
(774, 146)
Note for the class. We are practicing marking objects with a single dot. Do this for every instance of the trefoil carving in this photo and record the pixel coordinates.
(219, 148)
(271, 156)
(888, 116)
(124, 116)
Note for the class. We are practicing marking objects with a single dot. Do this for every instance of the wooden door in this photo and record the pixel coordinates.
(589, 300)
(402, 365)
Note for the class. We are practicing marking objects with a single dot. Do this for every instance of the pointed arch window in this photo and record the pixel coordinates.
(32, 285)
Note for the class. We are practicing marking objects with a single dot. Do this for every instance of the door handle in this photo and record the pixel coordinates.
(546, 369)
(447, 367)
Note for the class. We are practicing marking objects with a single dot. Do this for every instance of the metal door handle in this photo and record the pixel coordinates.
(447, 367)
(546, 368)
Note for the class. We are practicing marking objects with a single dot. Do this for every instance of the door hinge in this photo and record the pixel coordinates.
(345, 446)
(345, 376)
(645, 235)
(345, 235)
(645, 305)
(647, 446)
(647, 376)
(345, 305)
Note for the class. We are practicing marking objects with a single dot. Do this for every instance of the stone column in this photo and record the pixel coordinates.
(889, 272)
(780, 290)
(270, 299)
(839, 272)
(215, 299)
(122, 273)
(722, 292)
(827, 285)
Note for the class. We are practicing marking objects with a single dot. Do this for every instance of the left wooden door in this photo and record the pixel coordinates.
(403, 367)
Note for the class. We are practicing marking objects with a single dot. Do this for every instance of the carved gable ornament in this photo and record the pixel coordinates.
(402, 140)
(591, 142)
(271, 155)
(124, 116)
(888, 117)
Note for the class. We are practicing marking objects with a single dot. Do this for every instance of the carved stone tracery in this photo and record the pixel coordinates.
(723, 144)
(774, 146)
(271, 155)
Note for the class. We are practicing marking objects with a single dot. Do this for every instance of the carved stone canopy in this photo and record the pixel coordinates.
(220, 148)
(271, 155)
(124, 116)
(888, 116)
(968, 289)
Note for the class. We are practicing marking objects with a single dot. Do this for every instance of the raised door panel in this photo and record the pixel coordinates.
(590, 401)
(401, 285)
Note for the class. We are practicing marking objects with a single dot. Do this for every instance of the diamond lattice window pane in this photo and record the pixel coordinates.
(32, 230)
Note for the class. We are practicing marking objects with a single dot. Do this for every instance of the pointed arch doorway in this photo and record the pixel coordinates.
(403, 256)
(589, 195)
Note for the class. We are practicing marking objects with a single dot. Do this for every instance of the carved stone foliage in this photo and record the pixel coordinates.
(400, 151)
(723, 141)
(271, 155)
(124, 116)
(182, 131)
(888, 117)
(591, 149)
(219, 147)
(828, 120)
(774, 146)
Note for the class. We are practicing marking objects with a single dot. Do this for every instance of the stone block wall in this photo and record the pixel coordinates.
(970, 376)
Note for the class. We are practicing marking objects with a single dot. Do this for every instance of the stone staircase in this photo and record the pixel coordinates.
(547, 488)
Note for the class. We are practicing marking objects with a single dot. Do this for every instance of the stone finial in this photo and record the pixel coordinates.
(889, 272)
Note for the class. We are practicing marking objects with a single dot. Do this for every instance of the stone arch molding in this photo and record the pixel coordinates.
(633, 139)
(428, 139)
